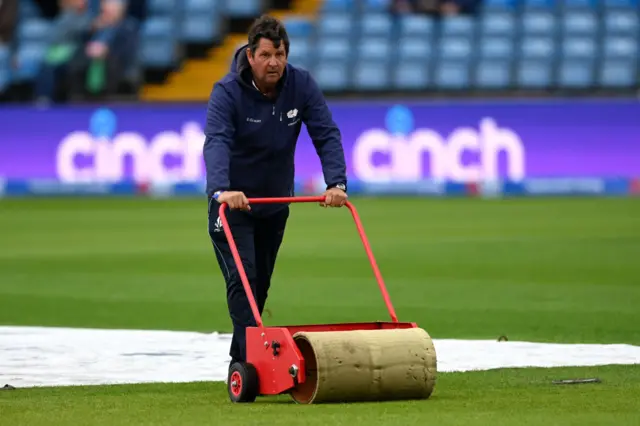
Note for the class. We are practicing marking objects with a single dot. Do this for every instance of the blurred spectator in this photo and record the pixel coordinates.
(8, 20)
(64, 42)
(109, 47)
(48, 8)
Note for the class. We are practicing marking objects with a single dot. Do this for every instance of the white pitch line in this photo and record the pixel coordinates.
(43, 356)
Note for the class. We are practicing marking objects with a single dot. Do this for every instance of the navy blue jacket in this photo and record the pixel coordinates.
(251, 139)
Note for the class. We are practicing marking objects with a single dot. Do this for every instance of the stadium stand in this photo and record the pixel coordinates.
(359, 46)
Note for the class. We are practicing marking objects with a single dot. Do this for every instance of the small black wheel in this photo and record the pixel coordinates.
(242, 383)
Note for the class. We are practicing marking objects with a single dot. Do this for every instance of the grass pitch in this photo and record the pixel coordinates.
(559, 270)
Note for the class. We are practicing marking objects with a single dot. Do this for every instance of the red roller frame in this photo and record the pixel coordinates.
(272, 350)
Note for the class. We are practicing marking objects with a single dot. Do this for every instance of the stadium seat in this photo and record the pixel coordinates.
(457, 48)
(417, 25)
(579, 23)
(539, 4)
(414, 49)
(410, 75)
(493, 5)
(575, 74)
(209, 7)
(374, 49)
(621, 4)
(338, 5)
(458, 26)
(491, 74)
(243, 8)
(33, 30)
(162, 7)
(499, 48)
(332, 75)
(623, 48)
(299, 27)
(539, 47)
(199, 27)
(335, 25)
(579, 48)
(371, 75)
(376, 24)
(376, 5)
(618, 73)
(452, 74)
(300, 51)
(580, 4)
(534, 74)
(618, 22)
(539, 23)
(334, 49)
(498, 24)
(158, 42)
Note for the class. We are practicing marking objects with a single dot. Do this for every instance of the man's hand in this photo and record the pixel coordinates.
(235, 200)
(334, 197)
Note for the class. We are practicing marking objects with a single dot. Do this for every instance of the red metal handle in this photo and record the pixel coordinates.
(312, 199)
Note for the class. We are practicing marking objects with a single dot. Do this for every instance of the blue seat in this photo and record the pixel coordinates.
(576, 74)
(29, 59)
(539, 23)
(338, 5)
(491, 5)
(498, 23)
(371, 75)
(579, 47)
(299, 27)
(455, 48)
(618, 73)
(335, 24)
(452, 74)
(580, 4)
(374, 49)
(34, 30)
(376, 24)
(620, 4)
(158, 42)
(332, 76)
(539, 47)
(300, 52)
(414, 49)
(200, 28)
(376, 5)
(621, 22)
(496, 47)
(458, 26)
(243, 8)
(416, 25)
(620, 47)
(579, 23)
(539, 4)
(203, 6)
(493, 74)
(334, 49)
(534, 74)
(161, 7)
(409, 75)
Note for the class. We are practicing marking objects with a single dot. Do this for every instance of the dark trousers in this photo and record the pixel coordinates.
(258, 240)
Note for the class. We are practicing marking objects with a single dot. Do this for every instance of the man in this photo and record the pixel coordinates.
(254, 117)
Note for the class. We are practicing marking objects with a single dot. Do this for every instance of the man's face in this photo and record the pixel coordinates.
(267, 62)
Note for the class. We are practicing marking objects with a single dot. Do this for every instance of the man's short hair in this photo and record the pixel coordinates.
(270, 28)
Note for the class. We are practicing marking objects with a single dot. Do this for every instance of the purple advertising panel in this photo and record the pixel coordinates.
(384, 141)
